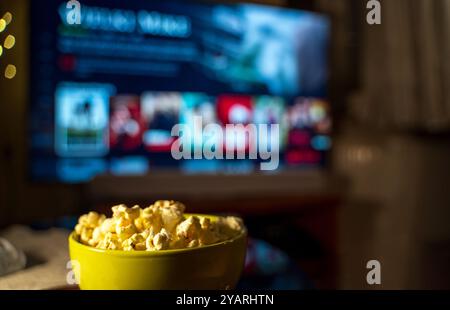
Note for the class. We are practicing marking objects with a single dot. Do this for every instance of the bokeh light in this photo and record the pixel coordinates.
(7, 17)
(2, 24)
(10, 40)
(10, 71)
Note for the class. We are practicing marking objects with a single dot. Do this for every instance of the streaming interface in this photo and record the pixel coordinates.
(107, 92)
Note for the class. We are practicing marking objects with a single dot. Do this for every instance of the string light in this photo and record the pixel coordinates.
(10, 40)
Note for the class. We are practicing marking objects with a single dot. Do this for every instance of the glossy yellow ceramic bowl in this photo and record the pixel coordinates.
(215, 266)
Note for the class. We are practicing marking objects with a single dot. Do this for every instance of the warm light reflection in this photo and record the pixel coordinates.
(1, 50)
(2, 24)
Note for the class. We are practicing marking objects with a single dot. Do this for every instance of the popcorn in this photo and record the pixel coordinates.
(132, 213)
(125, 229)
(151, 218)
(209, 233)
(160, 226)
(161, 240)
(96, 236)
(171, 216)
(135, 242)
(86, 234)
(118, 211)
(189, 229)
(229, 225)
(108, 225)
(110, 242)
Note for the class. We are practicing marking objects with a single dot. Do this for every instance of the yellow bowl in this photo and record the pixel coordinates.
(215, 266)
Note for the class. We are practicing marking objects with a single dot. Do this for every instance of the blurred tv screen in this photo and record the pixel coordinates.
(105, 93)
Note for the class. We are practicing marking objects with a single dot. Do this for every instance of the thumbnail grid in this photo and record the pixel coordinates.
(99, 131)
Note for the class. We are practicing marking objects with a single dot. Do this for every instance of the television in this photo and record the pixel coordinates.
(109, 85)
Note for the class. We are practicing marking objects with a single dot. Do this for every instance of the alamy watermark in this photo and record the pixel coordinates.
(73, 275)
(374, 275)
(235, 141)
(373, 17)
(73, 13)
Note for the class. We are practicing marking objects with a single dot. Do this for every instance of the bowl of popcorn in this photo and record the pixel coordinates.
(157, 247)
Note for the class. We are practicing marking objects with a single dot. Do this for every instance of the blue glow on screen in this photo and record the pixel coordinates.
(106, 93)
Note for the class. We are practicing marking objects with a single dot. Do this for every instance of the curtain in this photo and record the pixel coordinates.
(405, 67)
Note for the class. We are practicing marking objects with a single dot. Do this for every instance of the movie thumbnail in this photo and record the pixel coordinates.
(81, 119)
(198, 111)
(236, 110)
(160, 111)
(271, 111)
(126, 126)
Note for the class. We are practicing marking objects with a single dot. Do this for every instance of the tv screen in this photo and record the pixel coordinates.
(109, 85)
